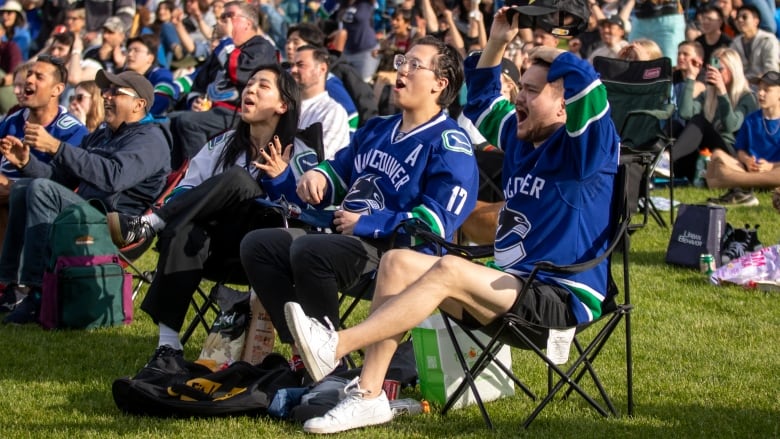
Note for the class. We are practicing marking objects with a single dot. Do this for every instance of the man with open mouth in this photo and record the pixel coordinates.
(123, 164)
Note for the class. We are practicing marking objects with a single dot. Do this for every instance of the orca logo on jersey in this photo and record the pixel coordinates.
(364, 196)
(513, 227)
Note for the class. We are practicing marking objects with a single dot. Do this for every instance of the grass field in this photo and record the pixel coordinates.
(706, 362)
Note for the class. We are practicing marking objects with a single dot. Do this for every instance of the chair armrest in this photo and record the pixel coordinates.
(420, 230)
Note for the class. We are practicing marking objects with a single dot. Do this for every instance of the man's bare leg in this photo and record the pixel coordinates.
(406, 295)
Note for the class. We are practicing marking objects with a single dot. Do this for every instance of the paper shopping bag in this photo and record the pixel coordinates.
(439, 370)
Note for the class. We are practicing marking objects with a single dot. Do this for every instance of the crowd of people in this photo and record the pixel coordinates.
(263, 99)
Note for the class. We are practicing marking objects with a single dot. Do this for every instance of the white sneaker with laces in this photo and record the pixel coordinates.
(354, 411)
(316, 344)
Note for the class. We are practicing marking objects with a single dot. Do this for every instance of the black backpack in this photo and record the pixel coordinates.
(240, 389)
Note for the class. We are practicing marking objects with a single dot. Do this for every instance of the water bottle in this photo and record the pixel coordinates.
(409, 406)
(699, 178)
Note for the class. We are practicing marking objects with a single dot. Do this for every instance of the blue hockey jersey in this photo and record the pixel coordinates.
(429, 173)
(559, 194)
(65, 128)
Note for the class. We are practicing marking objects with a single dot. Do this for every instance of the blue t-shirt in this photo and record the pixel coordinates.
(759, 137)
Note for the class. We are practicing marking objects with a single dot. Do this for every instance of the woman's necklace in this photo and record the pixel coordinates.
(766, 127)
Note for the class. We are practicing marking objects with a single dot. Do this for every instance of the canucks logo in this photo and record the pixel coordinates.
(364, 196)
(457, 141)
(513, 227)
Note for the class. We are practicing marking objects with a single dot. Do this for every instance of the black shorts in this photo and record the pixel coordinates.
(543, 306)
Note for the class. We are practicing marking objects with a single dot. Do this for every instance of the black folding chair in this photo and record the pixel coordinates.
(134, 251)
(515, 329)
(639, 94)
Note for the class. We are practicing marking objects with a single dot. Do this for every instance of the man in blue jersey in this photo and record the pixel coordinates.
(40, 112)
(561, 159)
(416, 164)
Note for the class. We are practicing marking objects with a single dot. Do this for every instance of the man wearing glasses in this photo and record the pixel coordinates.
(215, 91)
(415, 164)
(123, 164)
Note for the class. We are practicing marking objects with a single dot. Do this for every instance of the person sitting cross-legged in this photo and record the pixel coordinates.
(560, 164)
(757, 163)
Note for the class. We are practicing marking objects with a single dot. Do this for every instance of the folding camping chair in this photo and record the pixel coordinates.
(231, 272)
(639, 94)
(134, 251)
(572, 376)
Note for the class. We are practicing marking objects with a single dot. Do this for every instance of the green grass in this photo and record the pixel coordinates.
(706, 363)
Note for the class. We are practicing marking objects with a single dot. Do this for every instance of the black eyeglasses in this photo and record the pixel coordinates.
(57, 62)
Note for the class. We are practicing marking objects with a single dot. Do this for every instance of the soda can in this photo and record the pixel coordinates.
(391, 389)
(707, 264)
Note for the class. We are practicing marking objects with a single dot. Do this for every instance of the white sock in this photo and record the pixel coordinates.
(168, 337)
(154, 221)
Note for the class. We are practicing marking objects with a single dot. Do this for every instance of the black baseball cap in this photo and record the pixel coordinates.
(614, 19)
(142, 87)
(769, 78)
(562, 18)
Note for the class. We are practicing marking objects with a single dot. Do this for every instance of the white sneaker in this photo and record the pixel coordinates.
(354, 411)
(316, 344)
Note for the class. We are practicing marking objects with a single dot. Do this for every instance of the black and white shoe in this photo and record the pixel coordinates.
(126, 230)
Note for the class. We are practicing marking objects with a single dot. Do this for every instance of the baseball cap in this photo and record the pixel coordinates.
(510, 69)
(14, 6)
(142, 87)
(615, 19)
(114, 24)
(769, 78)
(562, 18)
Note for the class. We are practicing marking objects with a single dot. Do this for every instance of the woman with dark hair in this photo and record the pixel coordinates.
(202, 223)
(415, 164)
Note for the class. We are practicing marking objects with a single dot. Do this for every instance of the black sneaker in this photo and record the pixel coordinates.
(753, 243)
(26, 311)
(9, 299)
(126, 230)
(735, 197)
(166, 363)
(737, 247)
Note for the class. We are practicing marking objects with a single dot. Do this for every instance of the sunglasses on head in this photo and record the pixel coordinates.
(57, 62)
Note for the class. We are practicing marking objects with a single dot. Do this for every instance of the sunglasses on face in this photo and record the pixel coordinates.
(79, 97)
(114, 91)
(229, 15)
